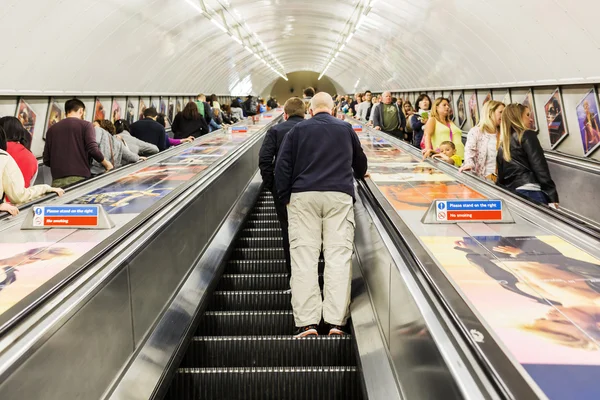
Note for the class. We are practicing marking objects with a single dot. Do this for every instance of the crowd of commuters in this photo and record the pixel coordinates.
(490, 144)
(76, 149)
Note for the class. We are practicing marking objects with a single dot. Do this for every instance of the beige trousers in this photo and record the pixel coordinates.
(321, 219)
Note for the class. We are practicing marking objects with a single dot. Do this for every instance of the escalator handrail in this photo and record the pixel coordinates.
(571, 161)
(112, 248)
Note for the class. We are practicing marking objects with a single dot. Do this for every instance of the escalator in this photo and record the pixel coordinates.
(244, 346)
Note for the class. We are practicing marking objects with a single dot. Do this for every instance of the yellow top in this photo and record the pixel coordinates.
(457, 160)
(442, 134)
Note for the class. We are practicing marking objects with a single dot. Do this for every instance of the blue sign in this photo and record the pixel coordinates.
(68, 211)
(472, 205)
(442, 205)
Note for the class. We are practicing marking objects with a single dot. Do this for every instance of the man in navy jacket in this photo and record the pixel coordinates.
(314, 175)
(293, 114)
(150, 131)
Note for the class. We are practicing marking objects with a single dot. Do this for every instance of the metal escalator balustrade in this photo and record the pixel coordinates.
(244, 347)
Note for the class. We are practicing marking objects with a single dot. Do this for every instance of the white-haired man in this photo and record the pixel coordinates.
(388, 117)
(314, 175)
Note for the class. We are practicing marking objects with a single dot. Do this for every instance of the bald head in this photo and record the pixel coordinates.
(386, 98)
(321, 102)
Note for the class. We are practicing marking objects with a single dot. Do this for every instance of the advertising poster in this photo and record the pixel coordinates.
(474, 109)
(540, 295)
(171, 109)
(589, 123)
(27, 116)
(555, 119)
(451, 102)
(153, 101)
(461, 110)
(99, 112)
(55, 114)
(178, 107)
(487, 98)
(163, 106)
(26, 266)
(418, 195)
(115, 113)
(130, 113)
(506, 100)
(141, 109)
(528, 102)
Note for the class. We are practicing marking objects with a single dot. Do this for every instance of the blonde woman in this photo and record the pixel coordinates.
(483, 141)
(440, 128)
(522, 166)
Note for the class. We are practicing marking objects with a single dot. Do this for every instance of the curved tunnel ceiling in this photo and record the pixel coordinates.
(172, 46)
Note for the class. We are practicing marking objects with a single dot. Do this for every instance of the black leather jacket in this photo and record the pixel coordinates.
(528, 165)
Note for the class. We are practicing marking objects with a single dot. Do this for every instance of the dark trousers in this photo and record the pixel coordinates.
(535, 195)
(397, 133)
(282, 217)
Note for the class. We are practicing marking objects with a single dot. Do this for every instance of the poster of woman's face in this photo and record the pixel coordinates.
(488, 97)
(129, 114)
(589, 124)
(474, 109)
(99, 110)
(451, 102)
(142, 109)
(27, 116)
(528, 102)
(460, 110)
(116, 111)
(557, 128)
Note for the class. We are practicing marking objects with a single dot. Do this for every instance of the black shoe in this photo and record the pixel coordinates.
(336, 330)
(304, 331)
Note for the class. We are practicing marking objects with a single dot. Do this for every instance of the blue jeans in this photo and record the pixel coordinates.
(535, 195)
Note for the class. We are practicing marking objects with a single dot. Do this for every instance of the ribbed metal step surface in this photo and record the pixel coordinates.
(244, 346)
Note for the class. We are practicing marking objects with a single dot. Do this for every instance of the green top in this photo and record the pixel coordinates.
(200, 106)
(390, 118)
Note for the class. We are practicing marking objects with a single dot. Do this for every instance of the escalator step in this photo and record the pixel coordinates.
(253, 300)
(266, 253)
(258, 233)
(254, 282)
(264, 208)
(262, 217)
(265, 203)
(271, 351)
(246, 323)
(261, 242)
(325, 383)
(255, 267)
(253, 224)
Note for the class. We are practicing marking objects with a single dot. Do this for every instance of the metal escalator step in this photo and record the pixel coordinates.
(252, 300)
(261, 242)
(267, 253)
(263, 217)
(269, 351)
(324, 383)
(258, 233)
(265, 202)
(264, 208)
(253, 224)
(255, 267)
(254, 282)
(246, 323)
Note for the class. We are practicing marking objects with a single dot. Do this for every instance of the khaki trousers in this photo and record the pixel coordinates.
(321, 219)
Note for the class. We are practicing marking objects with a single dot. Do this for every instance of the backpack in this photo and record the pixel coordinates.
(251, 105)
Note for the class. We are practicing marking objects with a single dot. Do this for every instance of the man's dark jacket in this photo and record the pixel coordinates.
(320, 154)
(151, 132)
(270, 149)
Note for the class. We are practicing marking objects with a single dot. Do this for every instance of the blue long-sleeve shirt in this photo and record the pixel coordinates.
(320, 154)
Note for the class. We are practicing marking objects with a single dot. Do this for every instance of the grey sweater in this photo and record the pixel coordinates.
(114, 150)
(138, 146)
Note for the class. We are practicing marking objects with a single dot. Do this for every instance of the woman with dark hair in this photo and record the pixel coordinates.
(188, 123)
(226, 114)
(18, 143)
(112, 147)
(236, 110)
(420, 118)
(173, 142)
(12, 183)
(136, 145)
(214, 101)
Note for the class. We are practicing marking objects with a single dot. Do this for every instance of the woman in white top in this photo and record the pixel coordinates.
(12, 184)
(236, 110)
(214, 102)
(483, 141)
